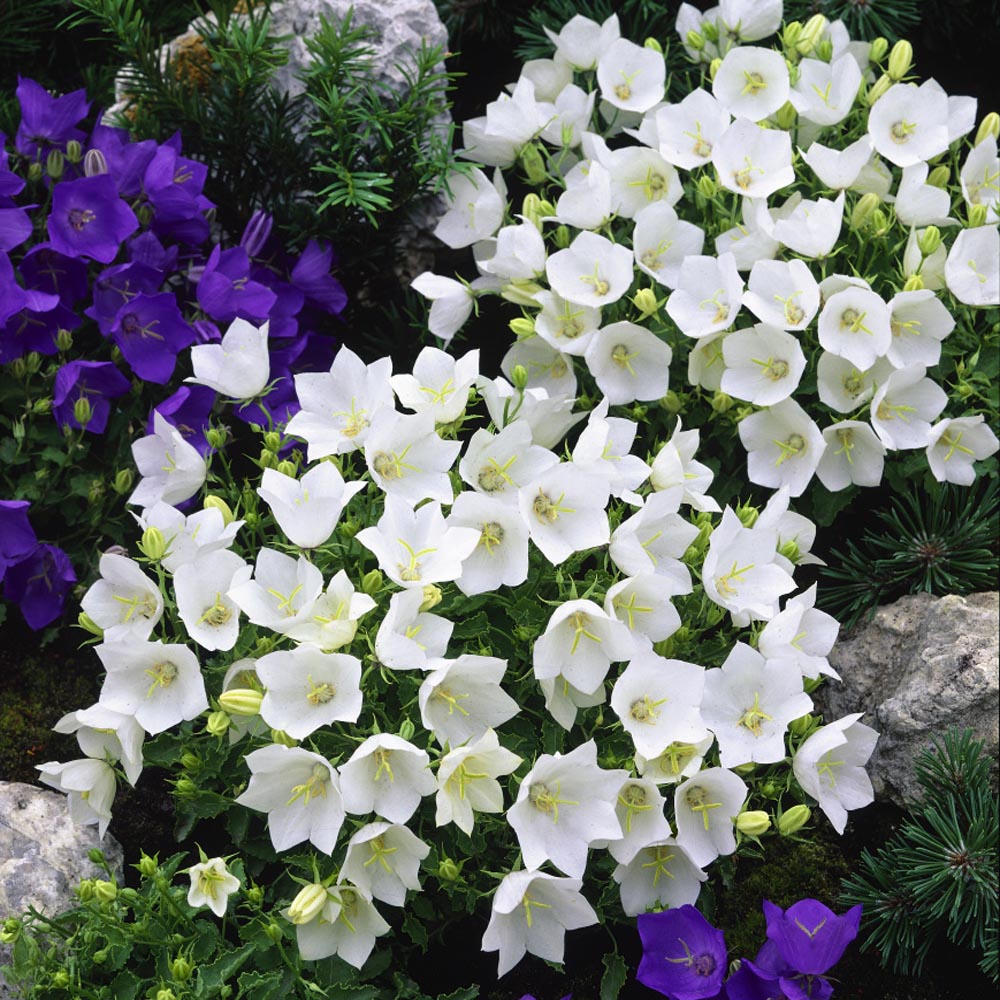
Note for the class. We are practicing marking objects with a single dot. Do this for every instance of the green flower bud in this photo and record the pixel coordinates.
(122, 482)
(913, 283)
(100, 957)
(449, 871)
(753, 823)
(562, 238)
(43, 405)
(64, 340)
(55, 163)
(18, 368)
(89, 625)
(977, 216)
(881, 85)
(522, 327)
(82, 412)
(287, 468)
(308, 904)
(216, 437)
(671, 402)
(695, 40)
(144, 213)
(148, 865)
(371, 582)
(791, 34)
(929, 240)
(707, 186)
(61, 980)
(35, 171)
(812, 32)
(274, 932)
(74, 151)
(646, 302)
(268, 459)
(790, 550)
(96, 491)
(519, 376)
(988, 127)
(710, 30)
(713, 67)
(878, 50)
(255, 895)
(407, 729)
(900, 60)
(824, 50)
(34, 362)
(152, 544)
(96, 856)
(105, 892)
(185, 787)
(10, 930)
(744, 769)
(533, 163)
(272, 441)
(432, 597)
(181, 969)
(939, 177)
(793, 820)
(864, 208)
(652, 43)
(165, 994)
(217, 723)
(786, 115)
(220, 505)
(521, 292)
(747, 514)
(280, 736)
(721, 403)
(241, 701)
(190, 761)
(802, 724)
(85, 890)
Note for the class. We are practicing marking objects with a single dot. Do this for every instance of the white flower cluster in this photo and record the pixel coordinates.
(516, 493)
(764, 164)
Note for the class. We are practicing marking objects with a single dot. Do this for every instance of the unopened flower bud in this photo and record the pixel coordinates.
(257, 230)
(181, 969)
(671, 402)
(217, 723)
(939, 176)
(989, 127)
(165, 994)
(255, 895)
(721, 403)
(185, 787)
(753, 823)
(308, 904)
(272, 441)
(519, 376)
(521, 292)
(900, 60)
(10, 930)
(144, 213)
(914, 283)
(790, 550)
(824, 50)
(646, 302)
(190, 761)
(794, 819)
(449, 870)
(562, 237)
(432, 597)
(878, 50)
(74, 151)
(221, 506)
(707, 186)
(287, 468)
(695, 40)
(811, 35)
(802, 725)
(216, 437)
(881, 85)
(522, 327)
(100, 957)
(280, 736)
(18, 368)
(407, 729)
(152, 544)
(35, 171)
(55, 163)
(786, 115)
(710, 30)
(268, 459)
(713, 67)
(104, 891)
(652, 43)
(64, 340)
(791, 34)
(862, 212)
(744, 769)
(60, 979)
(94, 163)
(533, 163)
(148, 865)
(122, 482)
(82, 413)
(977, 216)
(929, 240)
(747, 514)
(34, 361)
(371, 582)
(274, 932)
(241, 701)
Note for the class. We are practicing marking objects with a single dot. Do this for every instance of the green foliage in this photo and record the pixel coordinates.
(938, 874)
(865, 21)
(939, 539)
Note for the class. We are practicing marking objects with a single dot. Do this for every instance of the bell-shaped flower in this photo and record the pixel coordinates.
(791, 529)
(753, 161)
(843, 386)
(659, 873)
(783, 446)
(201, 588)
(931, 268)
(386, 775)
(107, 735)
(661, 242)
(333, 618)
(955, 444)
(467, 781)
(803, 634)
(586, 202)
(532, 911)
(752, 239)
(408, 638)
(565, 326)
(337, 406)
(642, 603)
(451, 302)
(239, 366)
(407, 459)
(640, 177)
(830, 766)
(683, 955)
(838, 168)
(824, 92)
(640, 811)
(705, 807)
(90, 786)
(498, 465)
(812, 228)
(187, 536)
(688, 131)
(580, 642)
(172, 470)
(307, 688)
(462, 698)
(782, 294)
(629, 362)
(519, 255)
(564, 509)
(347, 926)
(564, 804)
(748, 20)
(158, 683)
(510, 122)
(573, 109)
(854, 454)
(549, 417)
(439, 384)
(708, 295)
(751, 82)
(212, 883)
(281, 594)
(124, 601)
(674, 466)
(919, 203)
(563, 700)
(979, 178)
(384, 859)
(677, 762)
(475, 208)
(604, 448)
(581, 41)
(417, 547)
(763, 364)
(919, 321)
(591, 271)
(658, 701)
(749, 703)
(909, 124)
(631, 77)
(810, 938)
(739, 572)
(653, 540)
(972, 270)
(904, 407)
(548, 368)
(501, 557)
(307, 509)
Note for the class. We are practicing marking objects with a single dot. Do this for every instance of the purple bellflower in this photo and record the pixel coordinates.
(47, 270)
(98, 382)
(150, 332)
(17, 537)
(15, 227)
(225, 290)
(47, 122)
(188, 409)
(39, 583)
(683, 955)
(10, 183)
(88, 219)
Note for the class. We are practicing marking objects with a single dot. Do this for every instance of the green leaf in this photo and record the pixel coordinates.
(273, 985)
(125, 986)
(414, 929)
(614, 976)
(216, 974)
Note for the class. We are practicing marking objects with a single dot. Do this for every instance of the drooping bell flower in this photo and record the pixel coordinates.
(39, 584)
(225, 290)
(150, 332)
(34, 325)
(47, 122)
(47, 270)
(96, 382)
(312, 274)
(683, 955)
(17, 537)
(116, 286)
(88, 219)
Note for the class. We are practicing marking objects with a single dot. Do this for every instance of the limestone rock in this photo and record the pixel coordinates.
(43, 853)
(920, 666)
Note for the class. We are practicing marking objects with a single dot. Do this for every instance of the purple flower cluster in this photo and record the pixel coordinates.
(104, 248)
(684, 956)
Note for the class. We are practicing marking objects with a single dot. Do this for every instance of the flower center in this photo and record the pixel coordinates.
(79, 218)
(491, 535)
(163, 675)
(755, 83)
(623, 91)
(387, 466)
(900, 131)
(320, 694)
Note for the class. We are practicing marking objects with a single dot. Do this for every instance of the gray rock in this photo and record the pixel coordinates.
(920, 666)
(43, 854)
